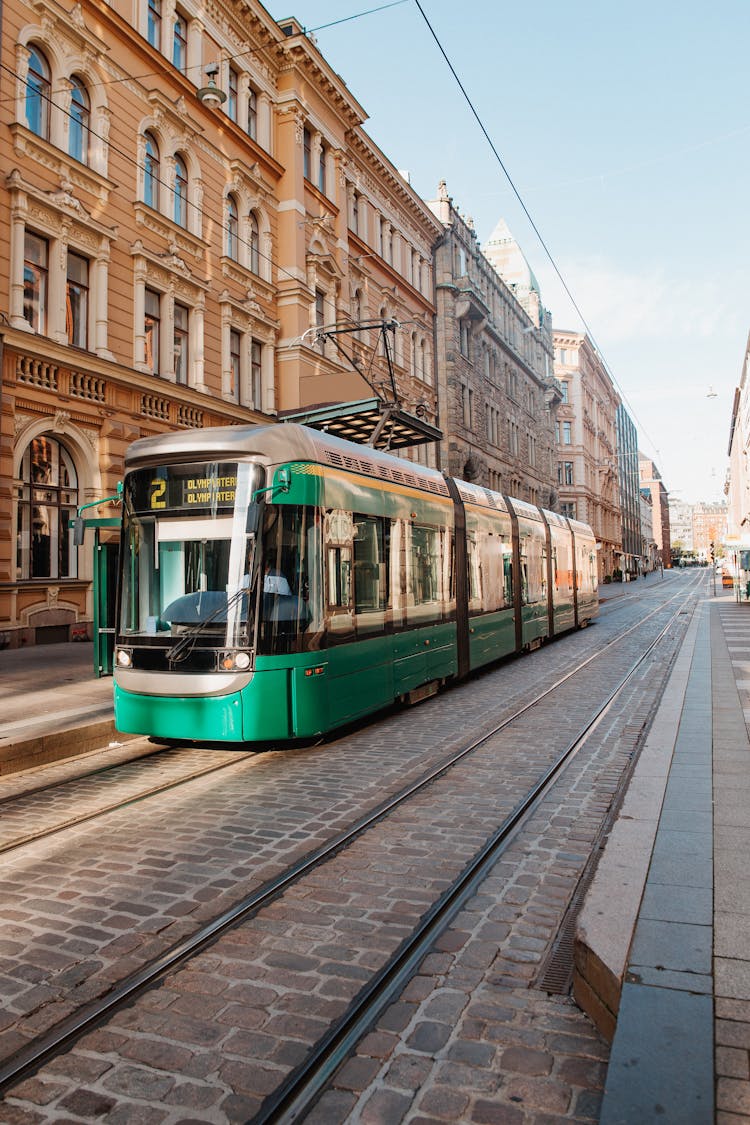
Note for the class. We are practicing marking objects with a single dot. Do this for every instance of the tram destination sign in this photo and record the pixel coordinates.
(183, 488)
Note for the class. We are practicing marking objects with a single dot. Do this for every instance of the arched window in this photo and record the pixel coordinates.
(254, 235)
(180, 191)
(151, 173)
(80, 115)
(233, 228)
(38, 94)
(48, 498)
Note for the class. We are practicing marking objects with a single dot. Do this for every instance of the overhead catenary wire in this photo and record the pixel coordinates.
(305, 32)
(530, 219)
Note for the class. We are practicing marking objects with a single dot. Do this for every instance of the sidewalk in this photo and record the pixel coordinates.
(663, 941)
(51, 705)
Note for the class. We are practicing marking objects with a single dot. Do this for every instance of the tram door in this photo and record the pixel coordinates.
(105, 600)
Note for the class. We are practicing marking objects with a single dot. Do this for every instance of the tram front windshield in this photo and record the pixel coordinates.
(189, 559)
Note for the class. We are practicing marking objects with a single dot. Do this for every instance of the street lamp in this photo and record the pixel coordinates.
(211, 96)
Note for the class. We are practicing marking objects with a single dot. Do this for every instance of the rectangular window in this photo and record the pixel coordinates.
(568, 509)
(181, 343)
(466, 406)
(322, 169)
(371, 554)
(35, 275)
(232, 93)
(320, 298)
(464, 338)
(566, 433)
(179, 43)
(252, 114)
(152, 330)
(564, 385)
(256, 374)
(153, 29)
(77, 301)
(306, 153)
(235, 346)
(355, 212)
(564, 472)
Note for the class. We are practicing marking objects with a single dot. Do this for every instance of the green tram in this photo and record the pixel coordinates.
(277, 582)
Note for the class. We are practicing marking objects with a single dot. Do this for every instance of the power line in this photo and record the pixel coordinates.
(526, 212)
(306, 32)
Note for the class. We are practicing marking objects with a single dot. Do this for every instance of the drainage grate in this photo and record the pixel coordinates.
(556, 973)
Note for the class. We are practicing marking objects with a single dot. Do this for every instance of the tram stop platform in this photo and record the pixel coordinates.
(51, 705)
(662, 948)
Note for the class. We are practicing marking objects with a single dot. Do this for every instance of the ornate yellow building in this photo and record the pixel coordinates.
(587, 453)
(187, 197)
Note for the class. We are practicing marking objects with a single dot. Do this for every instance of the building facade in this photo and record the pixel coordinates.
(709, 527)
(652, 483)
(587, 451)
(497, 396)
(738, 480)
(188, 196)
(629, 489)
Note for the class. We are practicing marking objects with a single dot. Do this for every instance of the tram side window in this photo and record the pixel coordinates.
(371, 550)
(339, 577)
(291, 616)
(428, 580)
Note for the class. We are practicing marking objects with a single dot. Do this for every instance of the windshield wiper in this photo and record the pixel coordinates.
(185, 644)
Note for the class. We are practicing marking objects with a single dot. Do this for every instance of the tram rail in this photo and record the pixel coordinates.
(286, 1105)
(229, 758)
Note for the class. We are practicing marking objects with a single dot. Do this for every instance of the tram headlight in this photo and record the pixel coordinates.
(236, 661)
(124, 658)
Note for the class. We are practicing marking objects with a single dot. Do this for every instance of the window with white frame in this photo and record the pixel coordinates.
(152, 330)
(180, 191)
(306, 153)
(35, 281)
(256, 373)
(38, 87)
(322, 157)
(181, 343)
(79, 121)
(253, 234)
(235, 364)
(52, 280)
(151, 172)
(252, 114)
(233, 228)
(77, 301)
(233, 90)
(180, 42)
(153, 23)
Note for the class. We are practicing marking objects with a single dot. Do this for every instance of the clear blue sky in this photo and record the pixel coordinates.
(626, 130)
